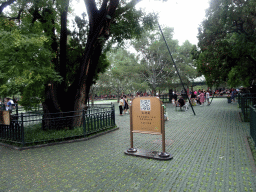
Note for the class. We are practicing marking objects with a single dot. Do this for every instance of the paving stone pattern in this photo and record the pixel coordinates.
(210, 154)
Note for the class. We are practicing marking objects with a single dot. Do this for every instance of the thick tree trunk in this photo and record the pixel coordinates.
(58, 99)
(74, 98)
(99, 21)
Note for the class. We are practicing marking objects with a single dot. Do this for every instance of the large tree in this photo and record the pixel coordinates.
(156, 66)
(226, 48)
(123, 75)
(109, 21)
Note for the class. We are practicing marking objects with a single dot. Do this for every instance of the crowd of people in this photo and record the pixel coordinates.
(200, 97)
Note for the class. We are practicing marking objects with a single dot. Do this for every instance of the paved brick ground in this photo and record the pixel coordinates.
(210, 154)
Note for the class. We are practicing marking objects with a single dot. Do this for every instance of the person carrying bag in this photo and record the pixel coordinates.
(121, 104)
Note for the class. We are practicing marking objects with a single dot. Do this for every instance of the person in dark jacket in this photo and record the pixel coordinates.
(181, 102)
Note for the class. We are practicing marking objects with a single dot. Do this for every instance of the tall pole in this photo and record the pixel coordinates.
(176, 68)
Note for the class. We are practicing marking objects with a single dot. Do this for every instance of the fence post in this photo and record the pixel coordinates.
(22, 131)
(239, 99)
(242, 105)
(113, 114)
(84, 124)
(103, 122)
(253, 124)
(16, 107)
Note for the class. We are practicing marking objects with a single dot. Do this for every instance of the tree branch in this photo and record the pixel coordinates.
(91, 9)
(63, 40)
(130, 5)
(104, 5)
(112, 7)
(18, 17)
(12, 18)
(5, 4)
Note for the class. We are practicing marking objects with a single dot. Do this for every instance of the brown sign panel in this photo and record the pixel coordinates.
(5, 117)
(146, 115)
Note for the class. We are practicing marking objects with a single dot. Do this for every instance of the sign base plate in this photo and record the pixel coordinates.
(149, 154)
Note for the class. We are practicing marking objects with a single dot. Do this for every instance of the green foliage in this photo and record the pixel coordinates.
(156, 66)
(34, 134)
(25, 64)
(30, 45)
(227, 49)
(120, 75)
(131, 24)
(151, 69)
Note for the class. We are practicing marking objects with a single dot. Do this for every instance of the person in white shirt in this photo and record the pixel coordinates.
(9, 104)
(121, 104)
(208, 97)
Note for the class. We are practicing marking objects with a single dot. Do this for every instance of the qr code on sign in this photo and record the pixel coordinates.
(145, 105)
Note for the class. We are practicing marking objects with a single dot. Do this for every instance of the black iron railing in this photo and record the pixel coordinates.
(247, 100)
(253, 123)
(35, 127)
(244, 95)
(165, 98)
(239, 99)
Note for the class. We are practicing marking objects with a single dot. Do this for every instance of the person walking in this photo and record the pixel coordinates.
(198, 98)
(9, 104)
(126, 107)
(130, 104)
(233, 94)
(193, 98)
(201, 98)
(121, 104)
(208, 97)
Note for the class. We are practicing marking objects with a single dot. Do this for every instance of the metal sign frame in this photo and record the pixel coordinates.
(143, 153)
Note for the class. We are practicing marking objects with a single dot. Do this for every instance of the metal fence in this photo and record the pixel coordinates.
(35, 127)
(244, 95)
(253, 123)
(2, 107)
(239, 99)
(165, 98)
(245, 101)
(20, 109)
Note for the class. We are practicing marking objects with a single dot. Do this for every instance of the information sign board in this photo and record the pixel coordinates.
(146, 115)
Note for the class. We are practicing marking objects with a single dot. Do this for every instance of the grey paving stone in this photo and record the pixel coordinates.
(210, 154)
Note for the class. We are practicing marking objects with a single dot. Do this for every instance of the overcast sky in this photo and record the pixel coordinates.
(183, 15)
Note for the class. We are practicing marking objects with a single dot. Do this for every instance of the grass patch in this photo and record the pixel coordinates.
(253, 149)
(34, 135)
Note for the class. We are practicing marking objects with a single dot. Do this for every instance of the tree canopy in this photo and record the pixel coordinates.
(122, 75)
(156, 65)
(150, 68)
(45, 59)
(226, 50)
